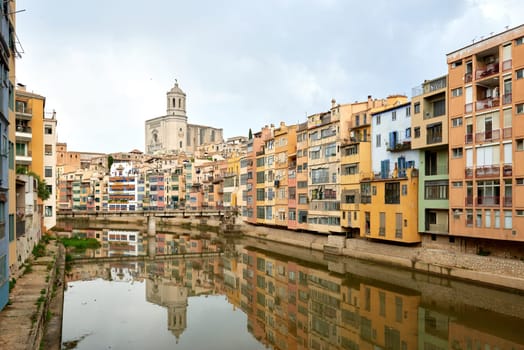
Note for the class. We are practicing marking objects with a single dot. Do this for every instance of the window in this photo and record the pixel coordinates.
(497, 218)
(394, 115)
(456, 122)
(436, 189)
(519, 41)
(416, 130)
(408, 111)
(520, 108)
(48, 130)
(416, 107)
(457, 184)
(404, 190)
(519, 73)
(456, 92)
(48, 150)
(330, 150)
(48, 211)
(520, 144)
(408, 133)
(392, 193)
(457, 152)
(520, 180)
(377, 140)
(377, 118)
(439, 108)
(48, 171)
(508, 219)
(456, 64)
(434, 133)
(519, 212)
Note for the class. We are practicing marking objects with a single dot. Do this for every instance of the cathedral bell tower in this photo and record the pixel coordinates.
(176, 101)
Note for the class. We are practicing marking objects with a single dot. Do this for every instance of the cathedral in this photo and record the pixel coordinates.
(172, 134)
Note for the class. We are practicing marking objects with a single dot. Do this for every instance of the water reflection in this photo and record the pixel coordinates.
(299, 301)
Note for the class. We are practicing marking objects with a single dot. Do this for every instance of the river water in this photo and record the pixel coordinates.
(253, 294)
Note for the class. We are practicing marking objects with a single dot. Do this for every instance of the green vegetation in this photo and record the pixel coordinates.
(80, 243)
(12, 284)
(43, 191)
(39, 250)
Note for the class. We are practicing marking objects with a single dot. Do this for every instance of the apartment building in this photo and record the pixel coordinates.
(430, 137)
(122, 187)
(50, 140)
(302, 176)
(285, 145)
(388, 195)
(7, 173)
(486, 141)
(355, 159)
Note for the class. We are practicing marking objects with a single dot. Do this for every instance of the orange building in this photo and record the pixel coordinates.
(486, 140)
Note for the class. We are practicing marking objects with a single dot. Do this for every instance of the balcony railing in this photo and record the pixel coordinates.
(468, 107)
(508, 201)
(468, 172)
(468, 78)
(468, 138)
(398, 233)
(507, 170)
(506, 133)
(437, 228)
(506, 99)
(488, 71)
(491, 135)
(488, 200)
(487, 171)
(468, 201)
(433, 139)
(399, 147)
(487, 103)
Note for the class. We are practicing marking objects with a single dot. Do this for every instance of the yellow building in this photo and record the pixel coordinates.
(389, 194)
(285, 144)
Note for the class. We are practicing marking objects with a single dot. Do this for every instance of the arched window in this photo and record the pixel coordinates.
(179, 103)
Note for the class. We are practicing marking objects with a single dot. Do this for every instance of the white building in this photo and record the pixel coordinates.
(171, 133)
(50, 140)
(391, 137)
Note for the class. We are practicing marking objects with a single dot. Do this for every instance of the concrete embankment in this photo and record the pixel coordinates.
(33, 305)
(501, 272)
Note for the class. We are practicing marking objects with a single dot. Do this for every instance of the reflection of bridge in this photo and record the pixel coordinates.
(172, 213)
(145, 257)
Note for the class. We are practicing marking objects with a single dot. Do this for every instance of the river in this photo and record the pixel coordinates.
(254, 294)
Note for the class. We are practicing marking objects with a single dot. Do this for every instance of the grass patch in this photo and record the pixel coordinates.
(80, 243)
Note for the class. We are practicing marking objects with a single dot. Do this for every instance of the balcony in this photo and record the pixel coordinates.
(468, 138)
(430, 139)
(468, 173)
(468, 201)
(23, 112)
(23, 133)
(468, 78)
(24, 159)
(487, 103)
(491, 135)
(488, 200)
(437, 228)
(468, 107)
(508, 201)
(487, 71)
(487, 171)
(399, 147)
(506, 133)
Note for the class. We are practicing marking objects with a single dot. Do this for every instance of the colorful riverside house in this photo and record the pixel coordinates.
(389, 194)
(355, 158)
(285, 144)
(255, 151)
(155, 189)
(188, 182)
(122, 187)
(486, 143)
(302, 176)
(265, 187)
(175, 188)
(429, 121)
(244, 188)
(231, 182)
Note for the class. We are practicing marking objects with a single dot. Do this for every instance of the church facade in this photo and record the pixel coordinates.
(171, 133)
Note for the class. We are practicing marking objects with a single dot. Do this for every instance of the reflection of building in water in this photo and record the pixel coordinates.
(172, 295)
(293, 304)
(124, 272)
(122, 243)
(116, 271)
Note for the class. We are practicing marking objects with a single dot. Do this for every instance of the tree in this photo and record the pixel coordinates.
(250, 137)
(110, 161)
(43, 191)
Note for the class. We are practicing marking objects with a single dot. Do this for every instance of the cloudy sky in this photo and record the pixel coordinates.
(106, 65)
